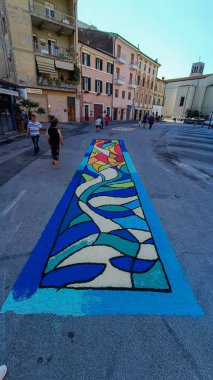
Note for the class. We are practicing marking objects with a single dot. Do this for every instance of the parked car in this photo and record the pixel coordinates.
(209, 123)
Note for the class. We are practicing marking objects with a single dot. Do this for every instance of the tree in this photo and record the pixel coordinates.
(30, 107)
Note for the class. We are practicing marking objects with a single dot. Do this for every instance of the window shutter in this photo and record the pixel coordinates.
(111, 89)
(101, 64)
(88, 60)
(96, 86)
(83, 83)
(96, 63)
(89, 84)
(82, 58)
(107, 84)
(112, 68)
(100, 86)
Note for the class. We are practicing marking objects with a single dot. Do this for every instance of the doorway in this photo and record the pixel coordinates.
(71, 108)
(98, 109)
(86, 112)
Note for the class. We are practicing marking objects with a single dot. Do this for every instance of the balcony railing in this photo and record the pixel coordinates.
(133, 65)
(121, 58)
(54, 51)
(132, 85)
(118, 79)
(43, 81)
(40, 10)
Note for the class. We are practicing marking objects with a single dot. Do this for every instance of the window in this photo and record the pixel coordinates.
(143, 83)
(85, 59)
(4, 26)
(140, 63)
(145, 67)
(116, 93)
(130, 78)
(145, 99)
(150, 99)
(152, 85)
(132, 58)
(98, 86)
(49, 9)
(118, 50)
(99, 64)
(51, 47)
(153, 101)
(108, 111)
(123, 94)
(139, 79)
(86, 83)
(149, 70)
(129, 95)
(109, 67)
(158, 101)
(148, 83)
(35, 41)
(108, 88)
(153, 72)
(182, 101)
(117, 72)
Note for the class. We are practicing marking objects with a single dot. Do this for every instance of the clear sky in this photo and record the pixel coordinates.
(177, 32)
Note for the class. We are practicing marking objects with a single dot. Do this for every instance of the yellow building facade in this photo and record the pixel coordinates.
(159, 97)
(40, 43)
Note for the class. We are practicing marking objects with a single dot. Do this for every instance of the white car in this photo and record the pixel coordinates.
(209, 123)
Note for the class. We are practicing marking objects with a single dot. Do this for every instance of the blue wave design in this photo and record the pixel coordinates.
(73, 234)
(129, 264)
(71, 274)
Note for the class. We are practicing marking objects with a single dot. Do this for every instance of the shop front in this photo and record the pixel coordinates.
(7, 114)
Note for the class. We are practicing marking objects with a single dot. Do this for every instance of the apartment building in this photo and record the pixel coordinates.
(96, 82)
(159, 96)
(134, 73)
(40, 54)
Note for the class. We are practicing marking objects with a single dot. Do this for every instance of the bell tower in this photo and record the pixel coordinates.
(197, 69)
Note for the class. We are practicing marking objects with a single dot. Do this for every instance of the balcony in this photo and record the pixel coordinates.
(133, 65)
(132, 85)
(56, 83)
(42, 48)
(55, 20)
(121, 58)
(118, 80)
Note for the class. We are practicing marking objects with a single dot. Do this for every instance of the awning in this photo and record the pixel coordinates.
(8, 92)
(138, 108)
(64, 65)
(45, 65)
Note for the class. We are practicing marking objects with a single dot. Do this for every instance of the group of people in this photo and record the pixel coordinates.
(100, 121)
(147, 119)
(53, 136)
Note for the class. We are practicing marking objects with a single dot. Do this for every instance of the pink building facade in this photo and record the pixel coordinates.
(96, 82)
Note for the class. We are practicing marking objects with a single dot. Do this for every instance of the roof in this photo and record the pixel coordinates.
(188, 78)
(100, 50)
(118, 35)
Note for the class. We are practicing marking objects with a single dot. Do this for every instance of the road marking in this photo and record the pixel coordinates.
(8, 208)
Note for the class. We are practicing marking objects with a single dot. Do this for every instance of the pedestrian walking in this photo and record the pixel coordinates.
(106, 120)
(33, 131)
(98, 124)
(3, 371)
(144, 121)
(54, 137)
(102, 120)
(151, 121)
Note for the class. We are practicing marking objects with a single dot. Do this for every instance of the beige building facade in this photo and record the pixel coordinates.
(159, 96)
(96, 82)
(40, 54)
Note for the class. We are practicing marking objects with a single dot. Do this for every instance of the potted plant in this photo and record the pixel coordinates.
(58, 82)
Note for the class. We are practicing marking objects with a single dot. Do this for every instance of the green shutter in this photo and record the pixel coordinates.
(89, 84)
(96, 86)
(101, 86)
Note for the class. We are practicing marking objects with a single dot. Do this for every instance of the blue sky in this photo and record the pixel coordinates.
(175, 32)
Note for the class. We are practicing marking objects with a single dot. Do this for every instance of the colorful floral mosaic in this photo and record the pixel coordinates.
(104, 250)
(104, 240)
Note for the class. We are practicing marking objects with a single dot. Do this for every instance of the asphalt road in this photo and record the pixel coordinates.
(175, 163)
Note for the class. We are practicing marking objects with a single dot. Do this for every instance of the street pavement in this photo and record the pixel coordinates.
(174, 162)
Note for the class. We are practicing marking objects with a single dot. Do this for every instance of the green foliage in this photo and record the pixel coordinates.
(30, 106)
(75, 75)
